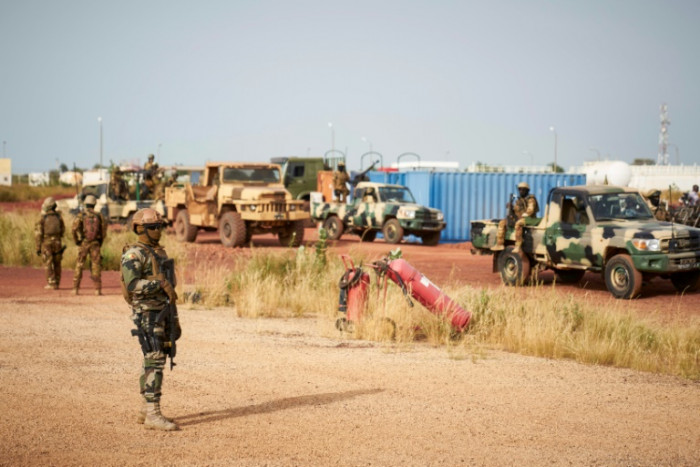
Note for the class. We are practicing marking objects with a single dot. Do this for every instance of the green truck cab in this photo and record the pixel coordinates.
(604, 229)
(300, 174)
(379, 207)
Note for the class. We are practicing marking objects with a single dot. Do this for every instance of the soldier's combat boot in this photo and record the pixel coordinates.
(98, 292)
(155, 420)
(141, 417)
(497, 247)
(49, 286)
(75, 291)
(516, 249)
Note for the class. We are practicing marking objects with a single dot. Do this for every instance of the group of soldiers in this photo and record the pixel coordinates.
(89, 231)
(148, 285)
(153, 184)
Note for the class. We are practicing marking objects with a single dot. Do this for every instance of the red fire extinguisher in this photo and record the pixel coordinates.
(428, 294)
(354, 288)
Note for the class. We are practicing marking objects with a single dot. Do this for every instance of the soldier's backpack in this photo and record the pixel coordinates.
(52, 224)
(92, 226)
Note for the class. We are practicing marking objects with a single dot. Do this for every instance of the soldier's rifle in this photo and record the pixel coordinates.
(169, 314)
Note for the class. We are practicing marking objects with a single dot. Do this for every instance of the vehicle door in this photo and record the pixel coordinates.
(569, 235)
(363, 215)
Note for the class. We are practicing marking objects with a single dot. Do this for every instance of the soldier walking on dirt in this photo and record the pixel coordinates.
(525, 206)
(148, 281)
(89, 232)
(340, 180)
(48, 232)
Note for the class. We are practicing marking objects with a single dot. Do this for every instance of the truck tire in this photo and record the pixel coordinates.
(334, 227)
(513, 267)
(392, 230)
(430, 238)
(686, 281)
(569, 276)
(184, 231)
(293, 234)
(368, 236)
(232, 229)
(621, 277)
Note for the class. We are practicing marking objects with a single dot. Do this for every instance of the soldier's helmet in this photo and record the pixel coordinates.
(151, 157)
(49, 204)
(341, 164)
(653, 193)
(147, 216)
(523, 185)
(90, 200)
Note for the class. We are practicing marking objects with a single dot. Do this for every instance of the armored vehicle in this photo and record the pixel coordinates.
(300, 174)
(239, 200)
(379, 207)
(604, 229)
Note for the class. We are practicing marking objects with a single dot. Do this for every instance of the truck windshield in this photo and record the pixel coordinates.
(251, 175)
(399, 194)
(610, 206)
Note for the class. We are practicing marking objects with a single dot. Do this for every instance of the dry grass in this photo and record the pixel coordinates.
(21, 192)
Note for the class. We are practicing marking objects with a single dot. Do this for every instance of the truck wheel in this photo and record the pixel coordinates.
(184, 231)
(293, 234)
(368, 235)
(621, 278)
(569, 276)
(430, 238)
(514, 267)
(334, 227)
(686, 281)
(392, 230)
(232, 229)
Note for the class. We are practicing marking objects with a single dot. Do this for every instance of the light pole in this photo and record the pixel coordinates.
(555, 167)
(596, 150)
(99, 120)
(330, 125)
(4, 143)
(367, 141)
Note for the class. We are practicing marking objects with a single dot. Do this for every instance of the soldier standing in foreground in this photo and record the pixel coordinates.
(148, 281)
(89, 232)
(340, 180)
(654, 200)
(525, 206)
(48, 232)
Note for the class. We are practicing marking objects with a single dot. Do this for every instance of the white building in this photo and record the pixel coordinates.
(6, 172)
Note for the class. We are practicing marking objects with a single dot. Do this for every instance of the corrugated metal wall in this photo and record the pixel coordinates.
(464, 197)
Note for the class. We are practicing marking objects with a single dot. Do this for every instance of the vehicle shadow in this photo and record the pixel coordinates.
(272, 406)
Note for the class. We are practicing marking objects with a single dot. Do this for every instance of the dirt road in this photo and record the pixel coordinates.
(291, 392)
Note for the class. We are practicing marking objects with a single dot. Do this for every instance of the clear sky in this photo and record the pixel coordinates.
(239, 80)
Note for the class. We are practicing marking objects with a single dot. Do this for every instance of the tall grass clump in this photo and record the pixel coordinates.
(22, 192)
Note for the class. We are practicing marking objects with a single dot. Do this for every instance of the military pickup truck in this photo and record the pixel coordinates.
(604, 229)
(239, 200)
(378, 207)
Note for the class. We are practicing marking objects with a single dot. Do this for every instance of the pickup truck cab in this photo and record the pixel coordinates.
(604, 229)
(380, 207)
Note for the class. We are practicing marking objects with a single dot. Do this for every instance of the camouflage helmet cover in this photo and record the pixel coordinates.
(523, 185)
(147, 216)
(49, 204)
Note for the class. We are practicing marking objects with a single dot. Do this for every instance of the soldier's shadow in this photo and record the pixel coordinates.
(272, 406)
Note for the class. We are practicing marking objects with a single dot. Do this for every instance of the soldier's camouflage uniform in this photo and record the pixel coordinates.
(522, 207)
(89, 231)
(340, 187)
(147, 300)
(151, 179)
(48, 232)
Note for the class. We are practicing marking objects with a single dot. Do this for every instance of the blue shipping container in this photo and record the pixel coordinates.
(464, 197)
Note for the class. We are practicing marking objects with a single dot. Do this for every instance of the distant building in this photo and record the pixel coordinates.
(38, 178)
(71, 178)
(6, 172)
(642, 177)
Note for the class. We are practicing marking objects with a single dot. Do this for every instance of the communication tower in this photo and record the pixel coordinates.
(663, 136)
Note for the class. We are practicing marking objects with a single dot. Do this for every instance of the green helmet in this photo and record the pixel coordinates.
(90, 200)
(49, 204)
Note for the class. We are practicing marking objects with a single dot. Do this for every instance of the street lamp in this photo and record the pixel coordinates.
(596, 150)
(554, 169)
(330, 125)
(99, 120)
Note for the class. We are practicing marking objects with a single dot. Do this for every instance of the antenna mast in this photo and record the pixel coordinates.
(663, 136)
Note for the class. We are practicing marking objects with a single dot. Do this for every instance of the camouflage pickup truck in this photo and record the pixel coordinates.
(378, 207)
(604, 229)
(239, 200)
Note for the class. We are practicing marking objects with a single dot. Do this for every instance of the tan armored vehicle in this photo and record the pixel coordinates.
(239, 200)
